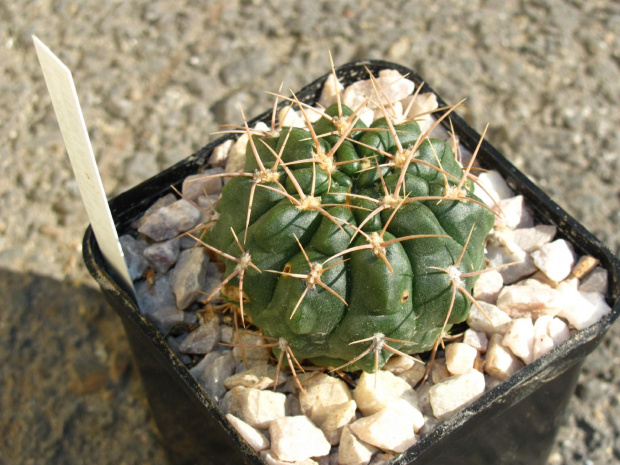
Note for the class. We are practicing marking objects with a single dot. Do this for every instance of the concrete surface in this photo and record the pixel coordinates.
(156, 78)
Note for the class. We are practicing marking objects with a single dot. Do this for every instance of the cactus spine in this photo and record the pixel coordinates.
(348, 244)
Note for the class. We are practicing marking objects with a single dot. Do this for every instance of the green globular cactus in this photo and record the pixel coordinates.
(349, 244)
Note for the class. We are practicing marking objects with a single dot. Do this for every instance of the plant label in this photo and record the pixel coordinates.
(73, 128)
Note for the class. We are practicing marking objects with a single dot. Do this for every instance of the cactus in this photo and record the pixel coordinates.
(347, 244)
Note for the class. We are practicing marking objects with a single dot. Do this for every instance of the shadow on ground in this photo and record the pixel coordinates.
(69, 393)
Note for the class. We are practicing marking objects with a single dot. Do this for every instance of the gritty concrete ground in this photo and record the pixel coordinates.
(156, 78)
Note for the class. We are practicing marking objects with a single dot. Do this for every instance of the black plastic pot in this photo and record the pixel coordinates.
(514, 423)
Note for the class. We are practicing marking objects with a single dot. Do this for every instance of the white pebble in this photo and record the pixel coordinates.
(500, 362)
(246, 355)
(331, 89)
(488, 286)
(257, 440)
(206, 203)
(290, 118)
(323, 392)
(424, 400)
(220, 153)
(355, 96)
(413, 375)
(235, 162)
(543, 342)
(497, 321)
(530, 298)
(397, 110)
(514, 214)
(581, 309)
(455, 393)
(213, 280)
(501, 251)
(375, 392)
(256, 407)
(367, 116)
(206, 183)
(332, 420)
(477, 339)
(549, 332)
(555, 259)
(558, 331)
(598, 300)
(236, 155)
(520, 339)
(493, 188)
(542, 345)
(570, 280)
(352, 451)
(460, 358)
(388, 429)
(398, 364)
(394, 86)
(421, 109)
(531, 239)
(271, 458)
(292, 384)
(257, 377)
(296, 438)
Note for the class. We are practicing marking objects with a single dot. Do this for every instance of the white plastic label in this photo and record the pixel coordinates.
(73, 128)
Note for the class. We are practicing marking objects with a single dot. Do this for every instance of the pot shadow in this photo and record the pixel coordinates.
(69, 391)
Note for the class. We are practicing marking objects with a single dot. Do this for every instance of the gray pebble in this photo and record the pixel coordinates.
(164, 201)
(205, 338)
(165, 317)
(169, 221)
(188, 276)
(158, 304)
(133, 250)
(150, 297)
(162, 255)
(595, 281)
(213, 370)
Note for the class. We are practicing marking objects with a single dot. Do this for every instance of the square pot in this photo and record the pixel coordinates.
(513, 423)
